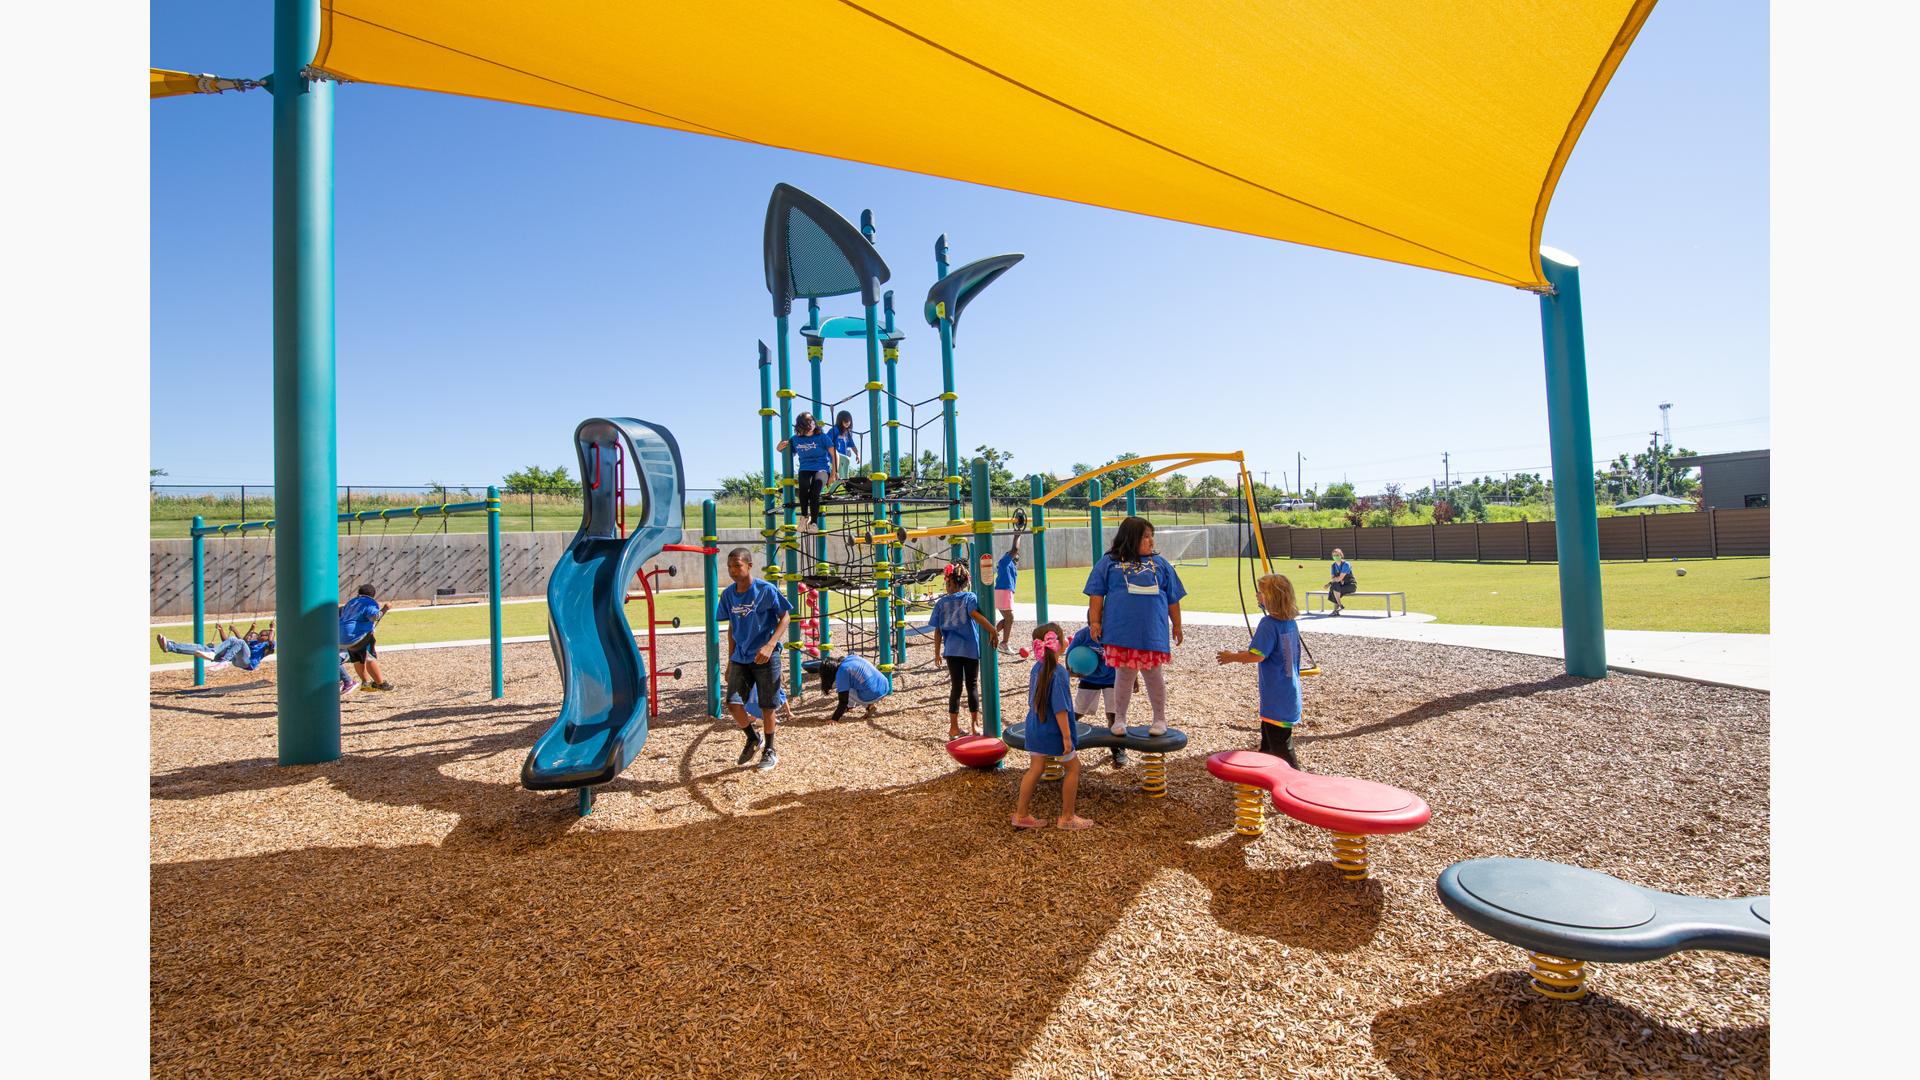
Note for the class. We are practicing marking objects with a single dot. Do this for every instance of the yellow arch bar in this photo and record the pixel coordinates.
(1194, 458)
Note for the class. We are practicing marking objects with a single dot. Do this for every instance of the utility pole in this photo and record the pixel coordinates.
(1299, 477)
(1666, 423)
(1654, 464)
(1445, 480)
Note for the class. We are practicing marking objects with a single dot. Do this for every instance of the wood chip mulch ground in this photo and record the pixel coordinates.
(865, 910)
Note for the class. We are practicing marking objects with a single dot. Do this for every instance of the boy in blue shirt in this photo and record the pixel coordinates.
(244, 651)
(813, 464)
(854, 678)
(756, 614)
(358, 617)
(1006, 576)
(1276, 649)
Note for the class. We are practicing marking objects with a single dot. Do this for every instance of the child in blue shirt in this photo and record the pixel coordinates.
(846, 445)
(358, 618)
(1006, 577)
(1049, 731)
(813, 464)
(1133, 611)
(1095, 695)
(954, 636)
(1276, 649)
(756, 614)
(854, 678)
(244, 651)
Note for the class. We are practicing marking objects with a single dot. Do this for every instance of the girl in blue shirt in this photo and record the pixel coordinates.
(813, 464)
(1134, 613)
(1276, 649)
(1049, 732)
(955, 636)
(845, 443)
(1340, 581)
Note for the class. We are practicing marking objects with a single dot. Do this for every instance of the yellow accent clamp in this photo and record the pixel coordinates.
(876, 386)
(981, 528)
(880, 476)
(814, 352)
(769, 412)
(940, 310)
(893, 423)
(949, 396)
(788, 481)
(783, 392)
(955, 480)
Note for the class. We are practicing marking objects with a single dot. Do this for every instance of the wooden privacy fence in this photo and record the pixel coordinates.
(1706, 535)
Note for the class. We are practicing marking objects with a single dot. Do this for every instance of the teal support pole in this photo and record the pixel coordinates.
(199, 598)
(307, 546)
(1038, 520)
(494, 634)
(947, 398)
(1094, 528)
(891, 353)
(816, 354)
(1576, 526)
(710, 578)
(879, 525)
(790, 528)
(983, 588)
(768, 486)
(1133, 503)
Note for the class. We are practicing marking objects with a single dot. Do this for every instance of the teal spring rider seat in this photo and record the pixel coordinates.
(1570, 918)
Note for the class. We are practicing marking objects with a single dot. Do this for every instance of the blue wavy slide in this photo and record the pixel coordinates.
(603, 714)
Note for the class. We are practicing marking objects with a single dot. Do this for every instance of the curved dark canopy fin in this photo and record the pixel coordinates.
(958, 288)
(810, 251)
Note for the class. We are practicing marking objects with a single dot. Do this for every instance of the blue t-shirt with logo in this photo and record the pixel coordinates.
(751, 616)
(857, 676)
(1100, 678)
(812, 453)
(1138, 595)
(1005, 573)
(1277, 643)
(953, 617)
(357, 617)
(752, 702)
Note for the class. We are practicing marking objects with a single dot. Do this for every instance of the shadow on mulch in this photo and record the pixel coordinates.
(1496, 1026)
(1439, 707)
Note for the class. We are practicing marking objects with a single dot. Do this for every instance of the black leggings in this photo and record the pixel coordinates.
(811, 482)
(967, 668)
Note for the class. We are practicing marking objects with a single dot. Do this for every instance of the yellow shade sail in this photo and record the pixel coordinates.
(1428, 133)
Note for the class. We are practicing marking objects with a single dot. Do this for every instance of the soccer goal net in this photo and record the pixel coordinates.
(1182, 547)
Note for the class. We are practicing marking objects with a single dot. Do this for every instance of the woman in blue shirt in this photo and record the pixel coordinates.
(1340, 581)
(1134, 613)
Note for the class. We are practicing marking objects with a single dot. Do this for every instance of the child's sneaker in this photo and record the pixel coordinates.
(383, 686)
(348, 686)
(753, 745)
(768, 759)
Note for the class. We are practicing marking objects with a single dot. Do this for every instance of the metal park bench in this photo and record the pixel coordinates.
(1322, 594)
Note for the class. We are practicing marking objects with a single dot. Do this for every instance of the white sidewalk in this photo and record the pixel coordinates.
(1740, 660)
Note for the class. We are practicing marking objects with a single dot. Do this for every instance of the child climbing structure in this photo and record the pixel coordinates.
(861, 548)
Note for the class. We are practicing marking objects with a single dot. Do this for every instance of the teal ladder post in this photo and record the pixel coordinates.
(947, 398)
(1133, 502)
(1094, 529)
(710, 574)
(768, 488)
(878, 525)
(983, 588)
(790, 527)
(1576, 525)
(199, 598)
(493, 591)
(816, 353)
(1038, 517)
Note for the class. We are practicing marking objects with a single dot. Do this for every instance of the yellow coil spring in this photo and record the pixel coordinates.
(1559, 977)
(1053, 770)
(1153, 775)
(1249, 810)
(1350, 855)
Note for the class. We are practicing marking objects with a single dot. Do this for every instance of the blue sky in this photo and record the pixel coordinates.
(504, 272)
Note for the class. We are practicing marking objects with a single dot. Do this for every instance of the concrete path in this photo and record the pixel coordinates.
(1740, 660)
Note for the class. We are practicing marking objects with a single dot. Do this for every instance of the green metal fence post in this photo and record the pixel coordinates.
(983, 588)
(307, 548)
(493, 592)
(710, 574)
(199, 598)
(1037, 516)
(1576, 525)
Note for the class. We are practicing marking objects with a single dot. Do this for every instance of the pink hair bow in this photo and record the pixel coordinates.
(1042, 644)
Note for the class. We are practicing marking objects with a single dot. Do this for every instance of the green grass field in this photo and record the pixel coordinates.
(1719, 595)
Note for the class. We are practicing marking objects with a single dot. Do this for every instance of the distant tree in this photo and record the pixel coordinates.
(1336, 496)
(1474, 505)
(1392, 502)
(747, 485)
(1357, 512)
(1444, 512)
(533, 480)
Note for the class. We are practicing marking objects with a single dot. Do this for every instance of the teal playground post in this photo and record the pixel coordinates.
(1133, 502)
(307, 549)
(768, 485)
(710, 576)
(816, 353)
(493, 591)
(1094, 529)
(1576, 526)
(199, 597)
(947, 398)
(790, 497)
(879, 527)
(891, 352)
(1037, 521)
(983, 588)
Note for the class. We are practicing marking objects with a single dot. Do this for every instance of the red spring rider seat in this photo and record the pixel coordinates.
(977, 751)
(1350, 808)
